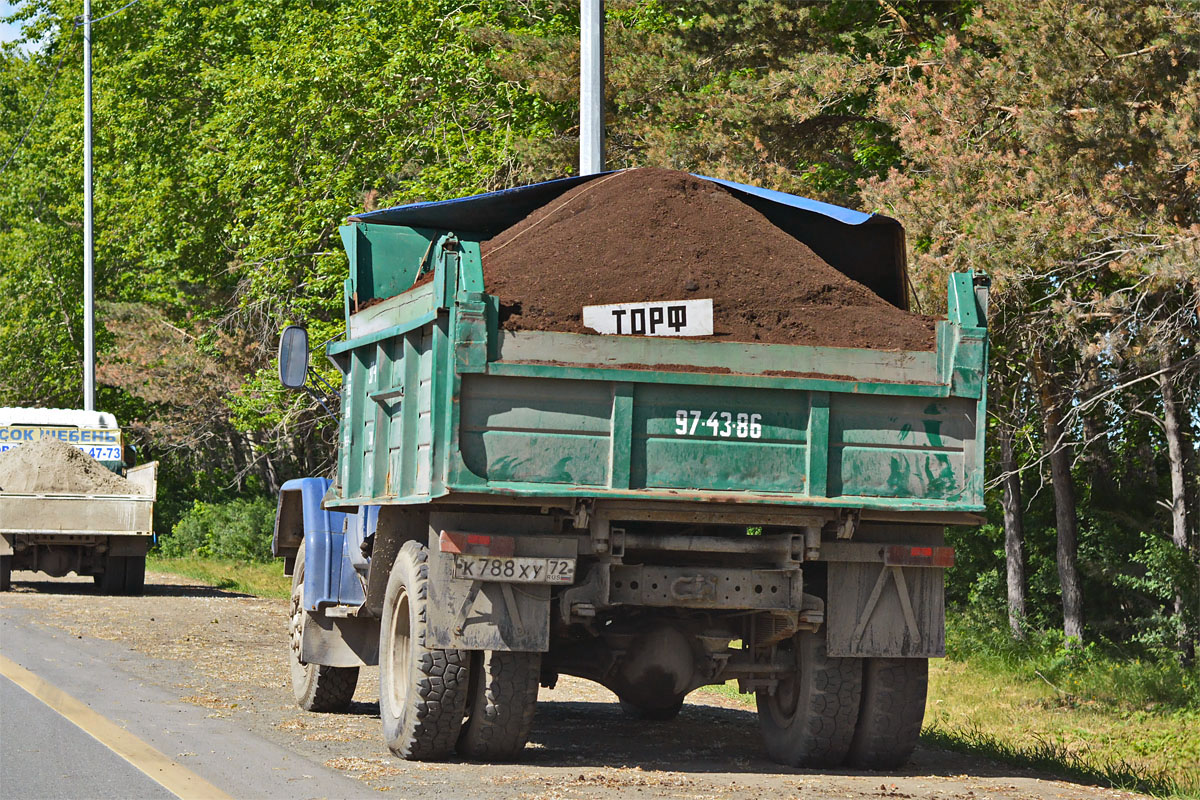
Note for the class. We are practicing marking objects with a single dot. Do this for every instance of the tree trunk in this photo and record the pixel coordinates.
(235, 455)
(1014, 534)
(1096, 455)
(1176, 458)
(1058, 452)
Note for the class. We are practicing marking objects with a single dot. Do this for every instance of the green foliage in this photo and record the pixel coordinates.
(1166, 571)
(1098, 672)
(238, 530)
(231, 139)
(260, 580)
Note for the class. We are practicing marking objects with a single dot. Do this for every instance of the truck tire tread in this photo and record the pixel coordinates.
(332, 689)
(112, 580)
(893, 707)
(426, 725)
(503, 699)
(818, 729)
(134, 583)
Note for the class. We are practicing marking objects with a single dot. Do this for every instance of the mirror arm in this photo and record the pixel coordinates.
(320, 398)
(329, 390)
(327, 394)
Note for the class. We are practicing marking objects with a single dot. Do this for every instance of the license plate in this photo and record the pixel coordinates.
(514, 569)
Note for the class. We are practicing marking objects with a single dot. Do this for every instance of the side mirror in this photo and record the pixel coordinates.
(293, 356)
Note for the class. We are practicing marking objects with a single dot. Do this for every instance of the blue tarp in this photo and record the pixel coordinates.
(867, 247)
(494, 211)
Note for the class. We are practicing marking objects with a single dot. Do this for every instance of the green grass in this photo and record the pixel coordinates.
(999, 713)
(984, 710)
(262, 580)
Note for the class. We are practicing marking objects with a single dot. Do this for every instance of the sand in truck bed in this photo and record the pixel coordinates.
(658, 234)
(54, 467)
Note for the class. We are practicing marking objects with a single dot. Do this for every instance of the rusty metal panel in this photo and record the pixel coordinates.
(907, 447)
(706, 587)
(536, 431)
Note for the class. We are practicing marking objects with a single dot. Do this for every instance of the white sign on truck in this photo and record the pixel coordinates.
(102, 444)
(660, 318)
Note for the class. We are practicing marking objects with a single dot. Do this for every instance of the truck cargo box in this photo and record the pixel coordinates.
(440, 401)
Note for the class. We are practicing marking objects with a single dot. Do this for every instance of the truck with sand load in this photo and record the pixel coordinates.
(70, 502)
(649, 429)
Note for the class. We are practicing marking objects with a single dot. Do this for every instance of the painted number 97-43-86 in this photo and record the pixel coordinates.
(726, 424)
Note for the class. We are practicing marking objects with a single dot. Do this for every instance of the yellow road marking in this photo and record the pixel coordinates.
(173, 776)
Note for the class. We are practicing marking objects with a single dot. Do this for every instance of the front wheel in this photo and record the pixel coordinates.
(316, 687)
(5, 573)
(422, 690)
(809, 721)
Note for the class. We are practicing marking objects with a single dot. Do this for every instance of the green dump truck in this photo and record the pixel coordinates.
(654, 514)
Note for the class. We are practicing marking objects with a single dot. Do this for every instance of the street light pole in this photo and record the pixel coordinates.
(591, 87)
(89, 311)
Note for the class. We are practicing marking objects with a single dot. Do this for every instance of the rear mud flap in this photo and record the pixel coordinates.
(489, 615)
(884, 610)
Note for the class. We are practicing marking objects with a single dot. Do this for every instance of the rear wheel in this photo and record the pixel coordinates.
(135, 575)
(503, 698)
(422, 690)
(112, 579)
(5, 573)
(316, 687)
(893, 707)
(663, 713)
(809, 720)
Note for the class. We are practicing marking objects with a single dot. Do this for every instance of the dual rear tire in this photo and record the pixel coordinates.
(831, 711)
(123, 575)
(434, 701)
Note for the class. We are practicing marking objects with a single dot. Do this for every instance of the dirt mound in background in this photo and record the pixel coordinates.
(50, 465)
(657, 234)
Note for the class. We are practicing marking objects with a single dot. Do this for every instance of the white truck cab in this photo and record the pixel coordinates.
(96, 433)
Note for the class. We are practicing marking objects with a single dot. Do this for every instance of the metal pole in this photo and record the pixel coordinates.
(591, 87)
(89, 311)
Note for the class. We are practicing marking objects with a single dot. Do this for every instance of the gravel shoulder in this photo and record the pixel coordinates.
(224, 652)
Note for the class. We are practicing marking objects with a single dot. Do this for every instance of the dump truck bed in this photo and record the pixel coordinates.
(440, 402)
(83, 514)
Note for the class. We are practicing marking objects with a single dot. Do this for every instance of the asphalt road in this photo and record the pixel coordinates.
(190, 684)
(44, 756)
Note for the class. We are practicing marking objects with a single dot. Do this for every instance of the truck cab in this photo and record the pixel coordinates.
(96, 433)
